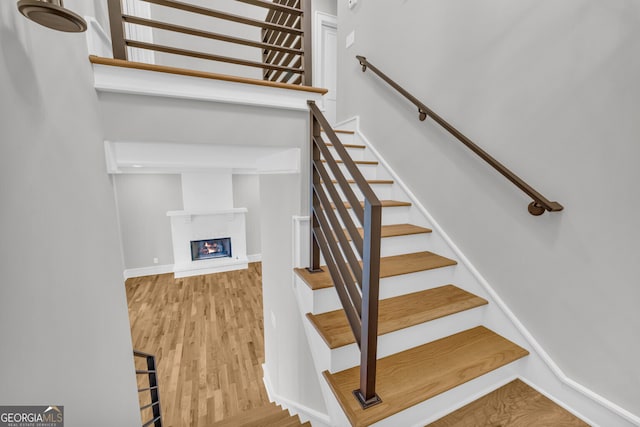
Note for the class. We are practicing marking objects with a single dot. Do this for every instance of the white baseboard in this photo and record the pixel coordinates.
(317, 419)
(148, 271)
(255, 258)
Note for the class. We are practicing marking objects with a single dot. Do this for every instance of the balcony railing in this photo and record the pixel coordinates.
(357, 283)
(148, 382)
(284, 44)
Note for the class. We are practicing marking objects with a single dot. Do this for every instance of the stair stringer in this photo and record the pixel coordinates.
(538, 369)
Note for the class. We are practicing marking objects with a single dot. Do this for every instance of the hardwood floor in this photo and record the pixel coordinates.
(207, 335)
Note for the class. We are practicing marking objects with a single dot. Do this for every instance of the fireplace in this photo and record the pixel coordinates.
(202, 241)
(211, 248)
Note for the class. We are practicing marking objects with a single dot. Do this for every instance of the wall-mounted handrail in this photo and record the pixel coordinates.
(357, 284)
(285, 45)
(153, 389)
(539, 203)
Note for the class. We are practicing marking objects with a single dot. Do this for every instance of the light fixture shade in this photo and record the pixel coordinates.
(52, 14)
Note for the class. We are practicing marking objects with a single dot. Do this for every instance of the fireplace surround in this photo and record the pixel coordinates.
(206, 242)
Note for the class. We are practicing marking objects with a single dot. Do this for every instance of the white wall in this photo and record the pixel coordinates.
(143, 202)
(551, 89)
(287, 358)
(326, 6)
(246, 194)
(64, 327)
(207, 191)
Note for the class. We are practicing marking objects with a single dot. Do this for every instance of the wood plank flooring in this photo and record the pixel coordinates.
(442, 364)
(207, 335)
(513, 405)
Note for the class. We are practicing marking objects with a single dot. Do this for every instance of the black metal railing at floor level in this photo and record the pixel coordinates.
(285, 43)
(538, 206)
(333, 230)
(150, 374)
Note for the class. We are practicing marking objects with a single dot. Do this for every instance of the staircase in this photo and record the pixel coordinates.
(265, 416)
(434, 350)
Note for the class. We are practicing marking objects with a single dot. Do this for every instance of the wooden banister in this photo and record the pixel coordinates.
(285, 45)
(357, 284)
(538, 206)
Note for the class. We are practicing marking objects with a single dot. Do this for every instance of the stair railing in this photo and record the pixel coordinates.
(357, 283)
(285, 43)
(153, 389)
(538, 206)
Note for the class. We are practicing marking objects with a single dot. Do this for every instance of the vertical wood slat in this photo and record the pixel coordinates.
(370, 292)
(307, 77)
(117, 29)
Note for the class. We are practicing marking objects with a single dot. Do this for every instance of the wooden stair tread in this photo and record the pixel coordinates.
(369, 181)
(349, 146)
(390, 266)
(395, 230)
(398, 313)
(264, 416)
(512, 405)
(385, 204)
(347, 132)
(420, 373)
(357, 162)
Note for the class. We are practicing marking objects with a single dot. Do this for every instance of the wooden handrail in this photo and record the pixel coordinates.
(357, 284)
(539, 203)
(201, 74)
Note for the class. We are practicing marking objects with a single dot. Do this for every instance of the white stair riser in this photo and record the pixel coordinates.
(355, 153)
(395, 342)
(400, 245)
(367, 171)
(345, 138)
(323, 300)
(416, 416)
(383, 191)
(390, 215)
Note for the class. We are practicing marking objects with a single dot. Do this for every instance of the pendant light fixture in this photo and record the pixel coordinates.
(52, 14)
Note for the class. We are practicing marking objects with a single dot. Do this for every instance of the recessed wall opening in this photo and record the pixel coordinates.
(211, 248)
